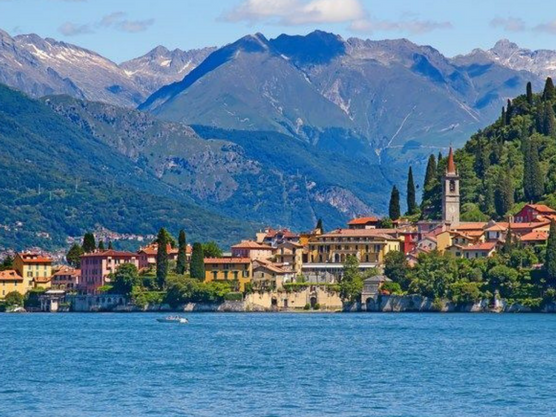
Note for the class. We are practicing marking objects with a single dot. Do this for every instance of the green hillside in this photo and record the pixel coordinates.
(509, 163)
(60, 180)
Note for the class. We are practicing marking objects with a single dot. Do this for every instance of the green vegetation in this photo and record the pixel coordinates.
(7, 263)
(181, 265)
(198, 262)
(125, 279)
(162, 257)
(13, 299)
(183, 290)
(211, 250)
(411, 199)
(89, 244)
(74, 255)
(351, 283)
(394, 210)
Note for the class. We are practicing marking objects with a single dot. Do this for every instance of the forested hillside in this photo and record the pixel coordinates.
(505, 165)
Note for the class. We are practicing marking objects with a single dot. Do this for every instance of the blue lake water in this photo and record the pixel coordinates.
(278, 365)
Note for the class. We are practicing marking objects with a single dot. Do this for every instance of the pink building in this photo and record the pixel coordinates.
(97, 266)
(66, 278)
(252, 250)
(147, 255)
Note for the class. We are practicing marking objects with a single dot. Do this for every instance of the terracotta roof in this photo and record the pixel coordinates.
(216, 261)
(498, 227)
(363, 220)
(34, 258)
(10, 275)
(152, 249)
(249, 244)
(451, 167)
(109, 253)
(538, 236)
(541, 208)
(382, 233)
(470, 226)
(271, 233)
(67, 270)
(272, 267)
(486, 246)
(42, 280)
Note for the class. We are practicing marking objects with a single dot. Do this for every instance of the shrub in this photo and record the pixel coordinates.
(13, 299)
(307, 307)
(233, 296)
(317, 306)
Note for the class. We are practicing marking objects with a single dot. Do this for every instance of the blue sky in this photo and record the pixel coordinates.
(123, 29)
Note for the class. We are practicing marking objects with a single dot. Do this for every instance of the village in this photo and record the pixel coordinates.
(263, 266)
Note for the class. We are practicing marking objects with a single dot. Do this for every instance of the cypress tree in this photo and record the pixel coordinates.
(533, 180)
(508, 243)
(197, 262)
(110, 246)
(320, 226)
(89, 244)
(181, 265)
(509, 112)
(503, 117)
(529, 93)
(504, 193)
(549, 123)
(430, 180)
(162, 258)
(74, 255)
(101, 245)
(394, 208)
(411, 200)
(548, 93)
(550, 260)
(482, 160)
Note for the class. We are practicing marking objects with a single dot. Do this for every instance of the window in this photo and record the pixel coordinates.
(452, 186)
(236, 274)
(214, 275)
(225, 274)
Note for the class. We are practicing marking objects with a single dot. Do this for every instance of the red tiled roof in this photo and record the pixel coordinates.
(34, 258)
(382, 233)
(363, 220)
(538, 236)
(67, 270)
(110, 253)
(542, 208)
(249, 244)
(470, 226)
(10, 275)
(217, 261)
(486, 246)
(271, 233)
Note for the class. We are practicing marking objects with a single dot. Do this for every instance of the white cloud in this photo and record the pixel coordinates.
(134, 26)
(510, 24)
(72, 29)
(304, 12)
(111, 19)
(549, 27)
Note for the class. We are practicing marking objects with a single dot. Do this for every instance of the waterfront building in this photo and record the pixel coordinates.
(66, 278)
(328, 252)
(274, 237)
(11, 281)
(35, 268)
(371, 287)
(96, 267)
(252, 250)
(237, 271)
(450, 193)
(270, 276)
(290, 254)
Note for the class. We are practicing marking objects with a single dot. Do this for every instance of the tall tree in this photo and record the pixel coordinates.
(429, 184)
(89, 244)
(529, 93)
(162, 258)
(197, 267)
(101, 245)
(549, 92)
(351, 283)
(549, 123)
(504, 193)
(110, 245)
(411, 199)
(125, 278)
(550, 261)
(320, 226)
(74, 255)
(509, 112)
(212, 250)
(394, 210)
(533, 180)
(503, 117)
(181, 265)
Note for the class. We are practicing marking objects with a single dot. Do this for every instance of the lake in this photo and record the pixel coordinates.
(278, 365)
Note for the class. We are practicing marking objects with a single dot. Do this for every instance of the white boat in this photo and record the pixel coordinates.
(173, 319)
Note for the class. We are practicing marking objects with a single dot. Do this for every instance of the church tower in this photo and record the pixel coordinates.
(450, 193)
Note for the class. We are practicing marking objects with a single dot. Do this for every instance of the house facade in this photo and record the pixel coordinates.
(11, 281)
(66, 278)
(35, 268)
(236, 271)
(96, 267)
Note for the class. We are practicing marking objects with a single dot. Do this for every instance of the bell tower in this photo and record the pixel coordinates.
(450, 193)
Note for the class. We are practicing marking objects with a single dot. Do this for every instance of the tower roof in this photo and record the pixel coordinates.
(451, 167)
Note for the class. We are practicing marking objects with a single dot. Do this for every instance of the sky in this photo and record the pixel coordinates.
(124, 29)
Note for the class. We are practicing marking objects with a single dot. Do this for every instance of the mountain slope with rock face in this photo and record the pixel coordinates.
(391, 99)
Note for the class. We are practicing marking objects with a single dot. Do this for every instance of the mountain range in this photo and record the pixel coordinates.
(263, 131)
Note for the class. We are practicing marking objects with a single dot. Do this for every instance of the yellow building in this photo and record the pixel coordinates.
(290, 254)
(328, 252)
(11, 281)
(236, 271)
(36, 269)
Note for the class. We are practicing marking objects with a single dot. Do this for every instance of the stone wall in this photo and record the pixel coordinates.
(283, 301)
